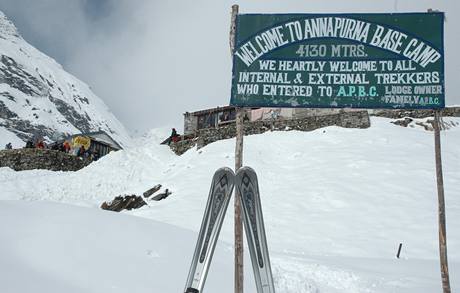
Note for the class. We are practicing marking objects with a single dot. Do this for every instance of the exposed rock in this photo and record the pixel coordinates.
(403, 122)
(420, 113)
(5, 113)
(14, 75)
(162, 195)
(126, 202)
(152, 190)
(29, 159)
(129, 202)
(428, 125)
(82, 122)
(444, 125)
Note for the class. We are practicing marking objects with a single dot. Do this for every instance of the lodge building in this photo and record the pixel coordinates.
(221, 116)
(97, 142)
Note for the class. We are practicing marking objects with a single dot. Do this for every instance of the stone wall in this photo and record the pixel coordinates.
(190, 122)
(422, 113)
(355, 119)
(29, 159)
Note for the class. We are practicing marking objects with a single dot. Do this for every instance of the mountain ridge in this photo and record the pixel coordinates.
(38, 98)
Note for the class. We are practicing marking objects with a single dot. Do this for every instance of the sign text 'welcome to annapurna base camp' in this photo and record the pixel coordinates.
(339, 60)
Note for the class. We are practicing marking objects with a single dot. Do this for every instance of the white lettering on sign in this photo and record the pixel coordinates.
(336, 27)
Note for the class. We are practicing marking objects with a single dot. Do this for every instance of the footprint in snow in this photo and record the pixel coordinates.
(152, 254)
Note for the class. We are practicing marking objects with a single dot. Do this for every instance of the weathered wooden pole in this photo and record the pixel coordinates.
(238, 216)
(441, 206)
(238, 164)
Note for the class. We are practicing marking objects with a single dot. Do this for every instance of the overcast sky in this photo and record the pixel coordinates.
(151, 61)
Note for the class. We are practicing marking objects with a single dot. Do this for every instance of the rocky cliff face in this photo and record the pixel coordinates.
(38, 98)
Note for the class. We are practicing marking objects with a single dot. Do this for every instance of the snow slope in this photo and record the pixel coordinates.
(39, 98)
(9, 137)
(57, 248)
(61, 248)
(337, 202)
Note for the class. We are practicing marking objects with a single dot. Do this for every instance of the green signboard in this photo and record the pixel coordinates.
(339, 60)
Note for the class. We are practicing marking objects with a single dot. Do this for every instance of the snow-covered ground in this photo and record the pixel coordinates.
(337, 202)
(53, 247)
(9, 137)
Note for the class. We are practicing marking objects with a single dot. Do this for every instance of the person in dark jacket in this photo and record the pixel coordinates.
(8, 146)
(80, 151)
(174, 137)
(29, 145)
(96, 156)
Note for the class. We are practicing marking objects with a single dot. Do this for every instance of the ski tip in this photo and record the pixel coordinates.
(191, 290)
(247, 170)
(225, 174)
(225, 170)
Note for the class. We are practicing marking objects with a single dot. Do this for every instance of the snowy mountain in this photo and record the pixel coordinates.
(337, 202)
(39, 98)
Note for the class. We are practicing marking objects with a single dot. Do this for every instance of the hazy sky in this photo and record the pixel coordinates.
(151, 61)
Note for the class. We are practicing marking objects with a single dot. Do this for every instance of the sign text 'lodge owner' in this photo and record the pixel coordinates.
(339, 60)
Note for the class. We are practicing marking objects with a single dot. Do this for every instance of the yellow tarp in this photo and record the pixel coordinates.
(81, 141)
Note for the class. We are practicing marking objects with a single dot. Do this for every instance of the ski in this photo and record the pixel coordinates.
(216, 207)
(248, 192)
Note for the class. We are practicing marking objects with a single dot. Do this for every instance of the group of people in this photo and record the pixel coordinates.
(65, 147)
(39, 144)
(78, 151)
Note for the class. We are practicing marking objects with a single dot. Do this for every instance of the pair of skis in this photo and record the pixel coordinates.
(220, 193)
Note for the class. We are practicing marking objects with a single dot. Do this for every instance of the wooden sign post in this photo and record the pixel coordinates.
(238, 164)
(441, 205)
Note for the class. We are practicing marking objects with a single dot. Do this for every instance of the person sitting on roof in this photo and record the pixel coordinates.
(174, 137)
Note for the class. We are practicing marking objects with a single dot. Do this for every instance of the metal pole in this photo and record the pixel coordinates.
(399, 250)
(441, 206)
(238, 164)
